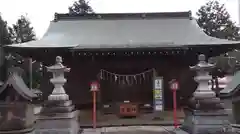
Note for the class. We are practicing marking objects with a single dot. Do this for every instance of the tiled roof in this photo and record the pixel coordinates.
(139, 30)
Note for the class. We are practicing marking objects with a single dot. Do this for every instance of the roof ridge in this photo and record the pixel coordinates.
(144, 15)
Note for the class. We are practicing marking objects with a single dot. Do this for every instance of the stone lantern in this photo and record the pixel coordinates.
(206, 113)
(58, 80)
(203, 92)
(58, 115)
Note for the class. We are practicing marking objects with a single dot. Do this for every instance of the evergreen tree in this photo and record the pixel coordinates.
(215, 21)
(80, 7)
(22, 30)
(5, 36)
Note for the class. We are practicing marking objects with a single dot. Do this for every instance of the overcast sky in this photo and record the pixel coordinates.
(40, 12)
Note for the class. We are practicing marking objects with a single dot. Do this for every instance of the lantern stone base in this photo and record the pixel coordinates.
(58, 117)
(60, 126)
(203, 122)
(58, 97)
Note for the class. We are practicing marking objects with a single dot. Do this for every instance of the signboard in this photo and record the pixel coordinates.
(158, 83)
(159, 102)
(158, 107)
(158, 93)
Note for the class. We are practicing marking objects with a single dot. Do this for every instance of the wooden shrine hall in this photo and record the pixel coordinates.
(124, 52)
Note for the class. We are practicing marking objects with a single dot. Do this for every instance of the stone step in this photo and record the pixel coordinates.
(52, 103)
(46, 110)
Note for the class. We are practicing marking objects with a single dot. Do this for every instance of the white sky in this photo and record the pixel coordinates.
(40, 12)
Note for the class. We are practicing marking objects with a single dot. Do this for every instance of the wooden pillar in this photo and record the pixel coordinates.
(30, 73)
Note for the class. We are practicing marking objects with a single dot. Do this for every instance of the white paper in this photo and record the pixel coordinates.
(159, 107)
(158, 84)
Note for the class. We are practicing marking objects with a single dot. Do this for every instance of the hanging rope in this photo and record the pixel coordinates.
(126, 78)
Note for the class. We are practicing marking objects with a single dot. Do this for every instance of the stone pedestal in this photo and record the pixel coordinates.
(58, 115)
(203, 122)
(16, 118)
(206, 113)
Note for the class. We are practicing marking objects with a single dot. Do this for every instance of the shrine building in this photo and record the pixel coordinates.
(124, 52)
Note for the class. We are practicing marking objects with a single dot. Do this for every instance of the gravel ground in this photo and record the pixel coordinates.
(128, 130)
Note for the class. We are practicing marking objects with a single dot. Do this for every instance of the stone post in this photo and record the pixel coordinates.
(58, 115)
(206, 113)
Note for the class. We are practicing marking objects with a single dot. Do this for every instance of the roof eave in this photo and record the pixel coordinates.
(58, 17)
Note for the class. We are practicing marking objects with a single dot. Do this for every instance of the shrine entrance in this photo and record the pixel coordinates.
(126, 89)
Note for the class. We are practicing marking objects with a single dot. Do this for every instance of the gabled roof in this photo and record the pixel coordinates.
(95, 31)
(18, 84)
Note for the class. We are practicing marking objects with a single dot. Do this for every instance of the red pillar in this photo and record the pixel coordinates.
(175, 109)
(94, 110)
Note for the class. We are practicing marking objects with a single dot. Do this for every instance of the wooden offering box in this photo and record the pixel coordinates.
(128, 110)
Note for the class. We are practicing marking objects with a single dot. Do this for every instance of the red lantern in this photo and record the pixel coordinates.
(94, 86)
(174, 87)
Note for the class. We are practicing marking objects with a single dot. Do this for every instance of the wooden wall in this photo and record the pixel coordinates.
(85, 69)
(2, 69)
